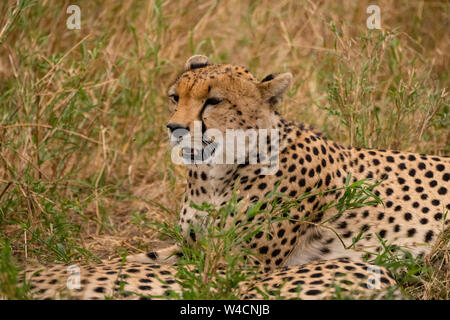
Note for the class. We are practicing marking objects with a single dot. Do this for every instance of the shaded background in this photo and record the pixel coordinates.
(84, 157)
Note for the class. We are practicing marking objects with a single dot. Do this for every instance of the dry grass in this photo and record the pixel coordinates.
(84, 161)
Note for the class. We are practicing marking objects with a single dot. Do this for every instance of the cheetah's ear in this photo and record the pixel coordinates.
(197, 61)
(273, 87)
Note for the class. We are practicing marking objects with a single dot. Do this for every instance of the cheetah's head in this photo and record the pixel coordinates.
(221, 97)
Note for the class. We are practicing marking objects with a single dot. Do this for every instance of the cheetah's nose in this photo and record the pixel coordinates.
(181, 130)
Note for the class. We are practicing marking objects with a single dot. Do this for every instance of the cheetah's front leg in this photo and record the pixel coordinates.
(168, 255)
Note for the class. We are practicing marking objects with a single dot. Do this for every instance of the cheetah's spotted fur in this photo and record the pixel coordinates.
(117, 280)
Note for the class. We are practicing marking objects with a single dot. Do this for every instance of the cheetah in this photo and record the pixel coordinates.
(340, 278)
(310, 243)
(413, 187)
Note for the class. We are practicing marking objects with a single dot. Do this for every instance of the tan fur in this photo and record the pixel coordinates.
(117, 280)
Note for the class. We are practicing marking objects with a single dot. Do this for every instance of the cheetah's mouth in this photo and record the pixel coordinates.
(191, 154)
(204, 153)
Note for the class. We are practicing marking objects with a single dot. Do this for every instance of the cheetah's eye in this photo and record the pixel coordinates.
(174, 98)
(213, 101)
